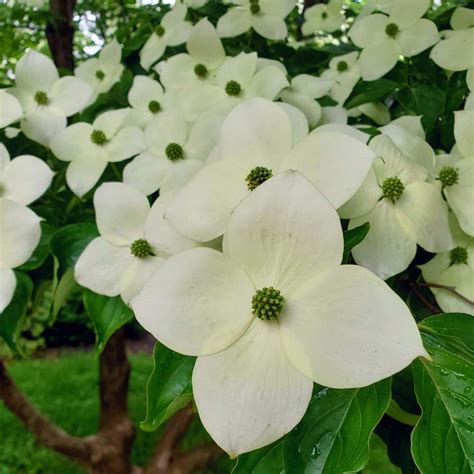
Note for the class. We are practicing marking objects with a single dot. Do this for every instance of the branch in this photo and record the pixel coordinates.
(200, 456)
(414, 287)
(451, 289)
(47, 433)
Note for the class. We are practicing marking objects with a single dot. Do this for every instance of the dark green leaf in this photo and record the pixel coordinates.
(107, 314)
(379, 462)
(169, 386)
(352, 238)
(333, 436)
(69, 242)
(42, 250)
(12, 315)
(442, 441)
(262, 461)
(372, 91)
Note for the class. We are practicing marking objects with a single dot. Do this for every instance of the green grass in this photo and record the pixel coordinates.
(66, 390)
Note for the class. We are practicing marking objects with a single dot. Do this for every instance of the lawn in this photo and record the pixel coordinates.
(66, 389)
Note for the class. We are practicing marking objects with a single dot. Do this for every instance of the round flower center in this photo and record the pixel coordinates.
(342, 66)
(449, 176)
(41, 98)
(154, 106)
(159, 30)
(174, 152)
(233, 88)
(392, 189)
(254, 7)
(267, 303)
(140, 248)
(324, 15)
(100, 75)
(200, 70)
(258, 176)
(392, 30)
(98, 137)
(458, 255)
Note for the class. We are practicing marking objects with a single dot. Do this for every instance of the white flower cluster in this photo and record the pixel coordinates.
(238, 261)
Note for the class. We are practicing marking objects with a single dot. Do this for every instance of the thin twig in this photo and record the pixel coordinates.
(451, 289)
(434, 309)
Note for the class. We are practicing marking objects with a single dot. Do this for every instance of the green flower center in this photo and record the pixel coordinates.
(140, 248)
(392, 30)
(342, 66)
(449, 176)
(154, 106)
(159, 30)
(98, 137)
(458, 255)
(233, 88)
(392, 189)
(41, 98)
(258, 176)
(324, 15)
(100, 75)
(267, 303)
(254, 7)
(200, 70)
(174, 152)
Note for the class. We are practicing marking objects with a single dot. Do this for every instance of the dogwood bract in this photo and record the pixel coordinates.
(274, 313)
(320, 17)
(134, 241)
(10, 109)
(47, 100)
(255, 144)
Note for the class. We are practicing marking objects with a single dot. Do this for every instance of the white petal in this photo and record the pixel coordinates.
(271, 27)
(204, 45)
(462, 18)
(250, 395)
(127, 143)
(410, 123)
(387, 249)
(463, 127)
(111, 122)
(307, 105)
(455, 52)
(165, 128)
(152, 50)
(377, 111)
(179, 34)
(7, 287)
(4, 158)
(347, 328)
(26, 178)
(121, 212)
(378, 59)
(336, 163)
(74, 142)
(179, 174)
(233, 23)
(314, 87)
(69, 95)
(346, 129)
(10, 109)
(256, 133)
(20, 233)
(424, 215)
(41, 126)
(175, 16)
(369, 31)
(110, 55)
(406, 12)
(417, 37)
(284, 232)
(143, 91)
(83, 174)
(201, 210)
(35, 72)
(198, 302)
(137, 275)
(299, 123)
(101, 266)
(240, 68)
(333, 114)
(267, 83)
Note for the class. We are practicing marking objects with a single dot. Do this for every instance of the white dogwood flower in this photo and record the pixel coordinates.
(89, 147)
(377, 111)
(47, 100)
(403, 210)
(172, 31)
(174, 152)
(255, 144)
(10, 109)
(321, 18)
(266, 17)
(303, 91)
(23, 179)
(274, 313)
(453, 269)
(454, 52)
(463, 127)
(383, 38)
(134, 240)
(206, 54)
(102, 72)
(20, 232)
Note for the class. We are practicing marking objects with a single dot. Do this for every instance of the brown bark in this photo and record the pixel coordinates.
(60, 32)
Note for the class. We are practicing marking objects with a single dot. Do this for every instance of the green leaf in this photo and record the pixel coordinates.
(69, 242)
(12, 315)
(352, 238)
(379, 462)
(262, 461)
(365, 92)
(442, 439)
(107, 314)
(42, 250)
(333, 436)
(169, 386)
(63, 289)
